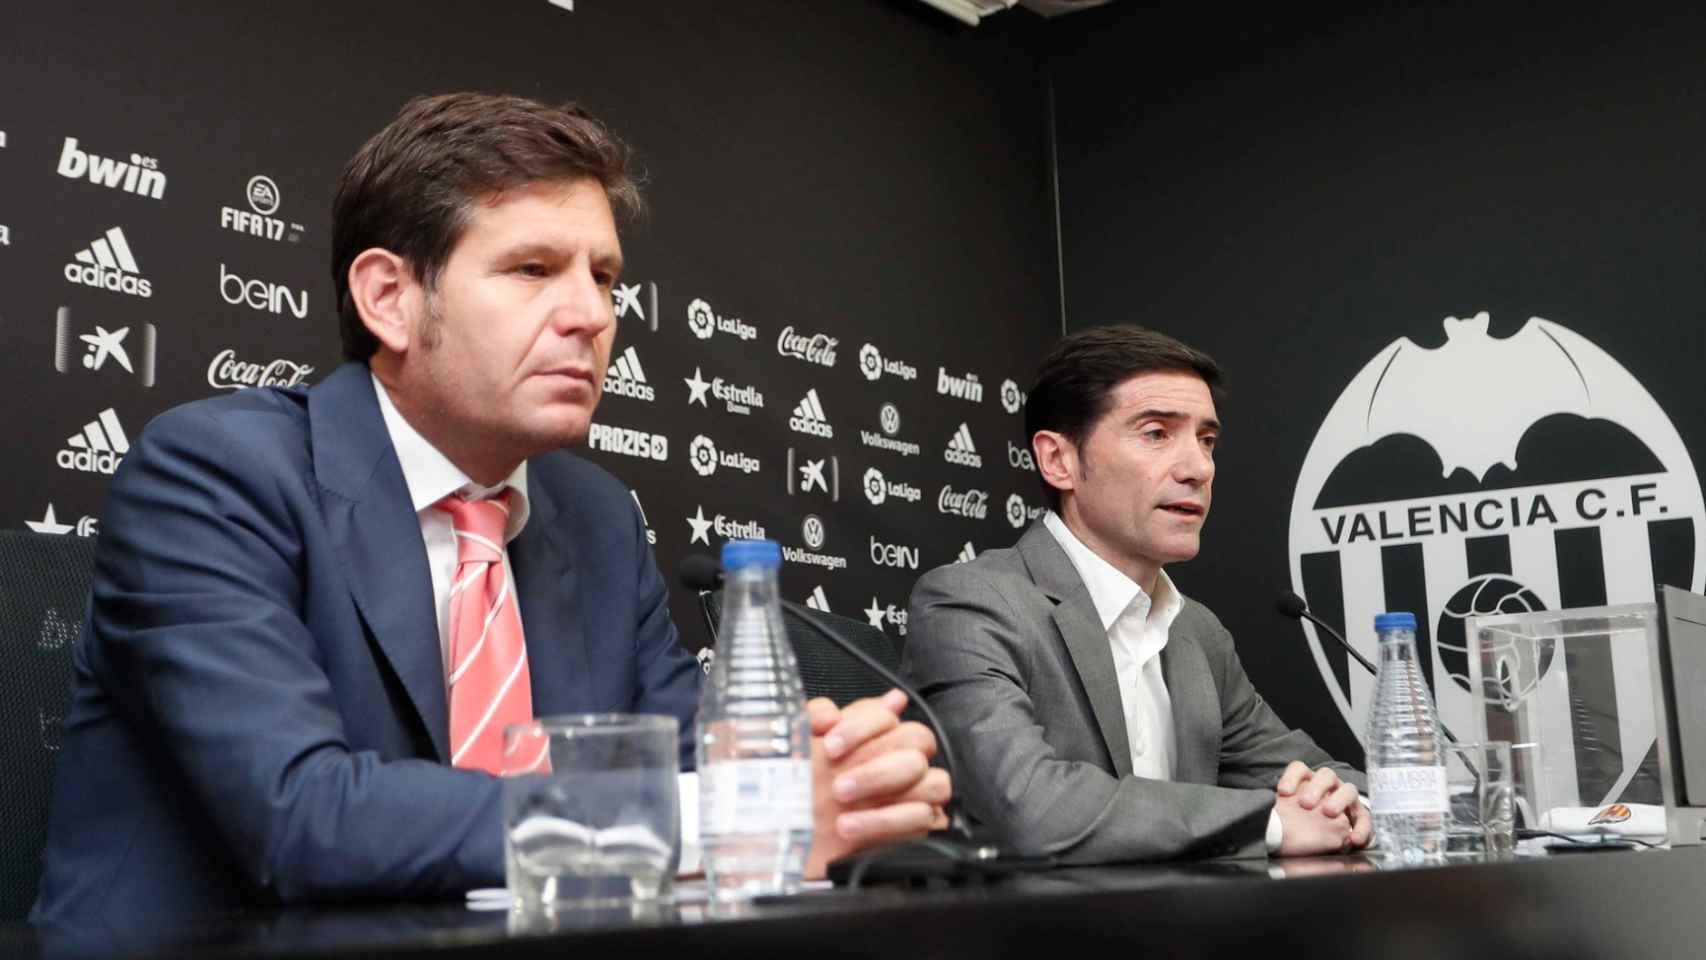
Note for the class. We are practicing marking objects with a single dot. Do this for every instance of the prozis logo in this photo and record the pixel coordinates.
(961, 450)
(98, 448)
(102, 347)
(872, 365)
(258, 221)
(815, 535)
(704, 322)
(818, 348)
(723, 527)
(965, 388)
(878, 489)
(703, 454)
(739, 400)
(1012, 398)
(877, 614)
(49, 524)
(963, 503)
(1489, 475)
(626, 378)
(1019, 512)
(1019, 458)
(809, 417)
(888, 417)
(226, 372)
(272, 298)
(107, 263)
(893, 555)
(141, 175)
(628, 443)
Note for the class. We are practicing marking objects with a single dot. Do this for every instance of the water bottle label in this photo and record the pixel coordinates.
(1407, 789)
(755, 796)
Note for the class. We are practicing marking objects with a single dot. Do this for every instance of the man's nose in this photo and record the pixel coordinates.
(1194, 464)
(582, 306)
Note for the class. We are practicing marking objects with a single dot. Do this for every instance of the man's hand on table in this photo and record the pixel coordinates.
(1319, 813)
(872, 782)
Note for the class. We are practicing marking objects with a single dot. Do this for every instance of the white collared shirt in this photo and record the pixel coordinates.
(1137, 626)
(430, 477)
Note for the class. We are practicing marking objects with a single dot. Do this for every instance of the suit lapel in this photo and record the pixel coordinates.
(1075, 617)
(378, 538)
(1196, 718)
(544, 559)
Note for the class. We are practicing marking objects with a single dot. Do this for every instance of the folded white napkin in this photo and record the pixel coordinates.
(1643, 820)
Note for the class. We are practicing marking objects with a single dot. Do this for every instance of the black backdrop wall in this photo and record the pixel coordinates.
(850, 248)
(1309, 197)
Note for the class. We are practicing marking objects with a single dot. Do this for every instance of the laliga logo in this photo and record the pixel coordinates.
(703, 321)
(1491, 476)
(702, 453)
(1018, 512)
(1012, 398)
(872, 365)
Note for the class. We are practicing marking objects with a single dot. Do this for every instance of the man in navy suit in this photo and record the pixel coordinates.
(260, 712)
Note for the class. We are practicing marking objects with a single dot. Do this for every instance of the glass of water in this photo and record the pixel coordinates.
(1479, 785)
(592, 815)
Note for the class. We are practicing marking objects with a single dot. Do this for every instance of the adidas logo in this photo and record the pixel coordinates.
(99, 448)
(817, 601)
(626, 378)
(967, 554)
(960, 449)
(108, 264)
(140, 176)
(809, 418)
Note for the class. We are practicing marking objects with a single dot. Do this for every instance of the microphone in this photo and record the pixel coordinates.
(951, 854)
(1292, 605)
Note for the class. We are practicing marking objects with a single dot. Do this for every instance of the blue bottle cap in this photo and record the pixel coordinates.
(764, 554)
(1385, 621)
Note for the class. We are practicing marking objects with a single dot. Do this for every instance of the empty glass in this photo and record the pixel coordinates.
(592, 815)
(1479, 787)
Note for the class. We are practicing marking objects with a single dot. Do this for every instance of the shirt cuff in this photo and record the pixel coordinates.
(1276, 832)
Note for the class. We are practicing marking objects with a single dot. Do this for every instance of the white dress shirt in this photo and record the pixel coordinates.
(1137, 626)
(430, 477)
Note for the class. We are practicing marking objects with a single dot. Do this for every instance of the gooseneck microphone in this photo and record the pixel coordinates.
(1292, 605)
(954, 854)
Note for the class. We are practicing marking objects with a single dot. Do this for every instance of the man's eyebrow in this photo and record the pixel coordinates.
(545, 250)
(1170, 416)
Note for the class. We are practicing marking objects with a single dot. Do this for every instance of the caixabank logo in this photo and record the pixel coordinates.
(1490, 475)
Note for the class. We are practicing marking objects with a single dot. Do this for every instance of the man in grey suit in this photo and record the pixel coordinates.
(1101, 715)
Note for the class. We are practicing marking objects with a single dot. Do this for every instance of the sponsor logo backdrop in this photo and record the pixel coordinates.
(796, 357)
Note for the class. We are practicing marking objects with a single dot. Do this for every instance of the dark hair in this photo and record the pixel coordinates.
(1076, 381)
(409, 188)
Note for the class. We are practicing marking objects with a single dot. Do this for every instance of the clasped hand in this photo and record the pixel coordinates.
(1319, 813)
(872, 782)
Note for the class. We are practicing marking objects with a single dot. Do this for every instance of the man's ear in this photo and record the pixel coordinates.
(1057, 459)
(380, 284)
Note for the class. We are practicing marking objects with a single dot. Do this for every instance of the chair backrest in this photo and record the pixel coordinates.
(825, 669)
(44, 589)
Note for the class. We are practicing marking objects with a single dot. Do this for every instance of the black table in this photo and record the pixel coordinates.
(1647, 904)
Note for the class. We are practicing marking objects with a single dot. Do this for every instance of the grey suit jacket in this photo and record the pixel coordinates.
(1010, 652)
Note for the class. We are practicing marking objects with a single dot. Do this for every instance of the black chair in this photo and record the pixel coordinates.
(44, 589)
(825, 669)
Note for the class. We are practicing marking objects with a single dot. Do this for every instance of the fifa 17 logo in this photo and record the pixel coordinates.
(140, 176)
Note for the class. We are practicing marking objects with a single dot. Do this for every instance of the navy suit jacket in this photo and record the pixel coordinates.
(258, 713)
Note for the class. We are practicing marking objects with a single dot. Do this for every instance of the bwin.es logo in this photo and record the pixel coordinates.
(140, 176)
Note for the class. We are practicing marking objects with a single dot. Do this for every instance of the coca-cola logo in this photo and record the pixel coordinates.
(226, 372)
(817, 348)
(963, 503)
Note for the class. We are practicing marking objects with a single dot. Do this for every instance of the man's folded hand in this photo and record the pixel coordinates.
(872, 782)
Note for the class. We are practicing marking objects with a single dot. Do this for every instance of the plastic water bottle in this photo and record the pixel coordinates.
(755, 769)
(1406, 764)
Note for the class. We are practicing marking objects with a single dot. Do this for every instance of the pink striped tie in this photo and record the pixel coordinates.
(489, 683)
